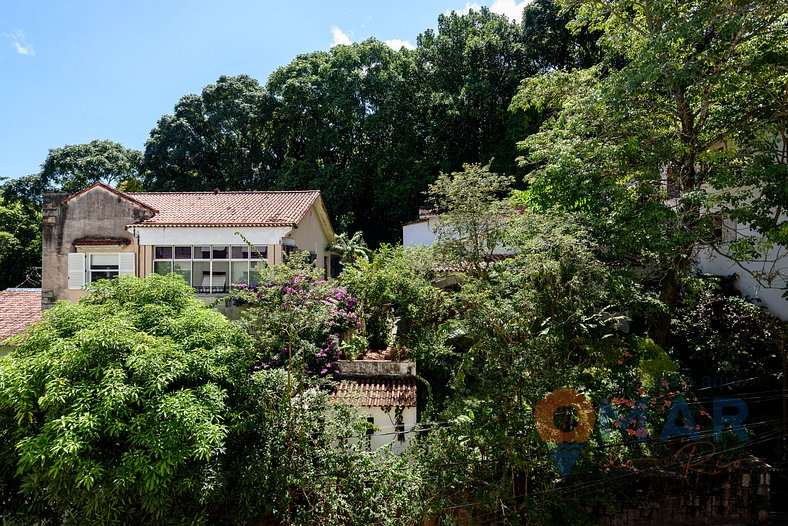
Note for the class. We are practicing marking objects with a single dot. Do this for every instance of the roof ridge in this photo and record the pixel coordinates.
(221, 192)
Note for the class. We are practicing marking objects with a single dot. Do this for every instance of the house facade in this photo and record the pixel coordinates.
(385, 393)
(212, 239)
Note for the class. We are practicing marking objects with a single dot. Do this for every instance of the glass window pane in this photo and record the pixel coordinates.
(103, 274)
(184, 269)
(183, 252)
(202, 252)
(104, 260)
(201, 273)
(162, 267)
(220, 276)
(221, 252)
(260, 252)
(240, 272)
(240, 252)
(162, 253)
(254, 271)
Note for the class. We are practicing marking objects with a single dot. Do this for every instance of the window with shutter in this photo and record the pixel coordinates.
(76, 271)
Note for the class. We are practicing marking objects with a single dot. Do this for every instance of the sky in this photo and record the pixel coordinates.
(78, 70)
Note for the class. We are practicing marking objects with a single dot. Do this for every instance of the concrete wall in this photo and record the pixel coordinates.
(374, 368)
(385, 433)
(95, 213)
(739, 495)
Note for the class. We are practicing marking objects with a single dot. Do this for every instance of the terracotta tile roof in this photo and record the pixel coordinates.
(378, 392)
(226, 208)
(18, 309)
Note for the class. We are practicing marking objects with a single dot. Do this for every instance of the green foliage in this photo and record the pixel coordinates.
(77, 166)
(218, 139)
(675, 125)
(471, 67)
(392, 290)
(721, 335)
(350, 248)
(20, 243)
(299, 320)
(141, 405)
(346, 123)
(472, 216)
(117, 406)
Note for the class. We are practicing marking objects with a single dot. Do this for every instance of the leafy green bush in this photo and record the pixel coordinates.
(115, 407)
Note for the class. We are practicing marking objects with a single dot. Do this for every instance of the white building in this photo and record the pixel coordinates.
(385, 392)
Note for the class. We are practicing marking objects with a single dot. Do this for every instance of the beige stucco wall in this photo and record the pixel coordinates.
(95, 213)
(311, 236)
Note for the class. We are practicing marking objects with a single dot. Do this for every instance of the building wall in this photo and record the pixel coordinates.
(311, 236)
(772, 268)
(420, 233)
(96, 213)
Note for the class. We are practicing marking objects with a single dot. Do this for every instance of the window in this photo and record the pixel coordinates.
(289, 249)
(211, 268)
(102, 266)
(87, 268)
(370, 432)
(724, 228)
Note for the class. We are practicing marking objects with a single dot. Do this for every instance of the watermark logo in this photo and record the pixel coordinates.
(565, 443)
(565, 421)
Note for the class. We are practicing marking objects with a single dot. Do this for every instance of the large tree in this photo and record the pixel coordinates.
(20, 244)
(644, 150)
(347, 123)
(471, 67)
(74, 167)
(218, 139)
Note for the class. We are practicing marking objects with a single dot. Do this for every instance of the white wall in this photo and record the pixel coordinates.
(419, 233)
(770, 295)
(209, 235)
(385, 434)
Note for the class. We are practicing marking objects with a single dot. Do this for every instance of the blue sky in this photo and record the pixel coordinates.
(77, 70)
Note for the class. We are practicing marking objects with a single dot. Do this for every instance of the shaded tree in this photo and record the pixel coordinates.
(218, 139)
(642, 151)
(470, 68)
(348, 125)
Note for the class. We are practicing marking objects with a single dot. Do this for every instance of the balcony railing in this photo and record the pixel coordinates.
(219, 289)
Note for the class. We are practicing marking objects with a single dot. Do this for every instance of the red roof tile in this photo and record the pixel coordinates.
(18, 309)
(378, 392)
(226, 208)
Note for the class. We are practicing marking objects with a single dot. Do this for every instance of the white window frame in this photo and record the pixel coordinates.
(257, 254)
(80, 267)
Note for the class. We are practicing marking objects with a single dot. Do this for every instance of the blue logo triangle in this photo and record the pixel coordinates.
(565, 455)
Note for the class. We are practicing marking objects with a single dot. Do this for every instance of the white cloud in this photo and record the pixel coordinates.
(466, 9)
(396, 44)
(340, 38)
(20, 44)
(510, 8)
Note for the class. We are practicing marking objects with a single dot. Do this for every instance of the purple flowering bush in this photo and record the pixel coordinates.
(299, 320)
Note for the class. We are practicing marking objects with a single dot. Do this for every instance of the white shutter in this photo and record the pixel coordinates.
(76, 271)
(126, 263)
